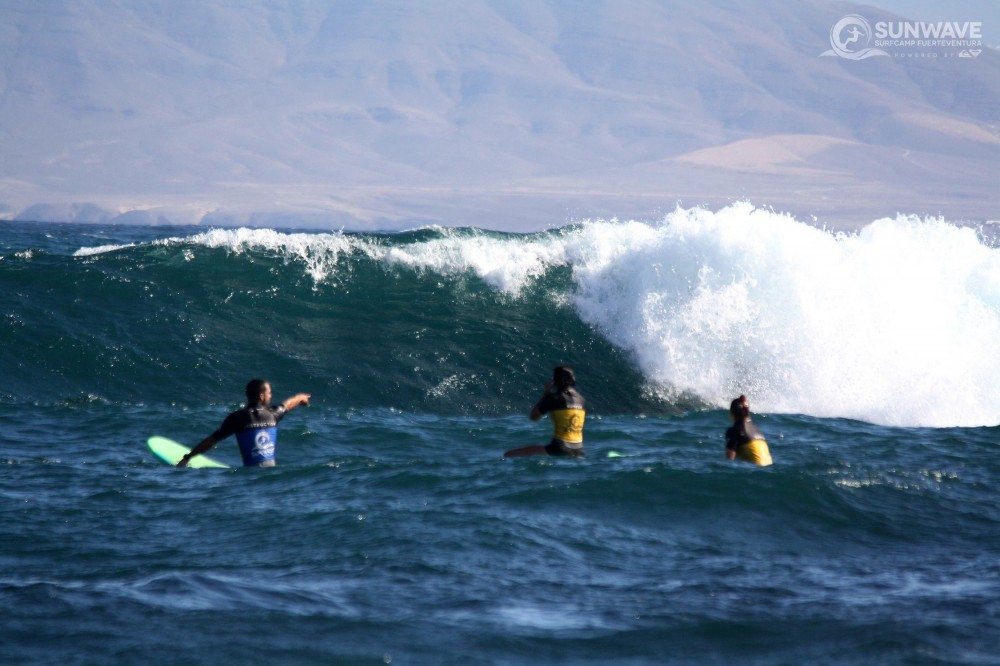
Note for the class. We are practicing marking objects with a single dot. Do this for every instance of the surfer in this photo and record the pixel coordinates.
(743, 440)
(255, 426)
(567, 409)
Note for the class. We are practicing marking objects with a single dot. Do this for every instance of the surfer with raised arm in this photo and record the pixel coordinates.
(255, 426)
(743, 440)
(567, 408)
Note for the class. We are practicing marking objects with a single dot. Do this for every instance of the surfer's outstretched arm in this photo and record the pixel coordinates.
(202, 446)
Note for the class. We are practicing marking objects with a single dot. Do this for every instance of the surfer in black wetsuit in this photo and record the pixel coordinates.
(255, 426)
(743, 440)
(567, 408)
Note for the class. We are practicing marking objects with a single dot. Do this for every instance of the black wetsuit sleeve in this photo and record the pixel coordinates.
(545, 404)
(740, 434)
(230, 426)
(732, 439)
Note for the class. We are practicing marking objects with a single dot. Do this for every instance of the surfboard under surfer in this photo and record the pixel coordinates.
(567, 408)
(255, 426)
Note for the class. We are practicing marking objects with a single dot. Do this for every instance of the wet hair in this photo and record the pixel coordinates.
(254, 388)
(740, 407)
(563, 377)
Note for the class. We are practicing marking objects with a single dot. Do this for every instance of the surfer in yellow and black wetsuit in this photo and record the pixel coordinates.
(567, 408)
(743, 440)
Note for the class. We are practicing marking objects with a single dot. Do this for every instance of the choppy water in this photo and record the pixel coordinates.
(392, 531)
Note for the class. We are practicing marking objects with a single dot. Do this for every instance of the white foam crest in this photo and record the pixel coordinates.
(320, 253)
(895, 325)
(505, 263)
(101, 249)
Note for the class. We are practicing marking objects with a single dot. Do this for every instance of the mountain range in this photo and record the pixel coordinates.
(504, 114)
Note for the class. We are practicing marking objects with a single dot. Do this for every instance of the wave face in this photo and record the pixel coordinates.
(894, 325)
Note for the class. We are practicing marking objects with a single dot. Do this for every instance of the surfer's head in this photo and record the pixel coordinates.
(256, 390)
(739, 408)
(563, 377)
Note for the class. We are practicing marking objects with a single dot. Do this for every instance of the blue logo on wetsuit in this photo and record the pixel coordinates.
(257, 444)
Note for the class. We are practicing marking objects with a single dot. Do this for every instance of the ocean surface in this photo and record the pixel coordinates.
(393, 531)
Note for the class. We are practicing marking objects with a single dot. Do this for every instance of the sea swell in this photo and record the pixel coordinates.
(893, 325)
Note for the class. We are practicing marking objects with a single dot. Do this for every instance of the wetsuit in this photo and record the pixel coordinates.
(567, 409)
(748, 443)
(256, 430)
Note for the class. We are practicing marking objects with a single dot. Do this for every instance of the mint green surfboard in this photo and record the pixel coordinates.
(171, 452)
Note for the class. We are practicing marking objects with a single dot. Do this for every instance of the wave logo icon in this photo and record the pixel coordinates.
(850, 38)
(263, 445)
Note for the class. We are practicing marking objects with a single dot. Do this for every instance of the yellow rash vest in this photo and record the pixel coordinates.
(567, 409)
(748, 443)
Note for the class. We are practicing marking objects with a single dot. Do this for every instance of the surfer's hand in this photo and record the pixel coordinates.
(184, 461)
(296, 400)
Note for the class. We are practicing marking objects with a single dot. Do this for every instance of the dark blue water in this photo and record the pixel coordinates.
(392, 531)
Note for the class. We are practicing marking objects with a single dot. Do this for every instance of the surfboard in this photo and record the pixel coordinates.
(616, 454)
(171, 453)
